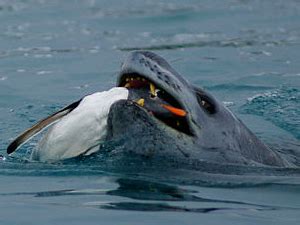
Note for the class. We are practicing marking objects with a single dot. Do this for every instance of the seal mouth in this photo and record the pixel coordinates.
(171, 112)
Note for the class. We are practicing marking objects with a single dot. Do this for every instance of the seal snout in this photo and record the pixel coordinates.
(149, 95)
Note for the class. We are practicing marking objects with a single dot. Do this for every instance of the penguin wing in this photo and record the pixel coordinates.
(39, 126)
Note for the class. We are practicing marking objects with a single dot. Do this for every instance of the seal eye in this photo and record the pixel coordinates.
(206, 102)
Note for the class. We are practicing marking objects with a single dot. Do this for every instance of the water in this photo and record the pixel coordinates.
(244, 52)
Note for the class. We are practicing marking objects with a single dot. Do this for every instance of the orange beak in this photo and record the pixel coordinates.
(175, 111)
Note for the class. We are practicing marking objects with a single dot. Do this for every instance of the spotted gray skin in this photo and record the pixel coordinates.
(219, 137)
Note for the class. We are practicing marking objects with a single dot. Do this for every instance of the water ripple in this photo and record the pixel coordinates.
(45, 52)
(281, 106)
(232, 43)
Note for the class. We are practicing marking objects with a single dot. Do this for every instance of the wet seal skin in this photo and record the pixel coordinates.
(161, 114)
(204, 129)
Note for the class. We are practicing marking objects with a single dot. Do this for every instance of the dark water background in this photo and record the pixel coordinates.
(247, 53)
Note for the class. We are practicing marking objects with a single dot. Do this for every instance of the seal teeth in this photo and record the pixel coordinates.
(141, 102)
(152, 89)
(127, 85)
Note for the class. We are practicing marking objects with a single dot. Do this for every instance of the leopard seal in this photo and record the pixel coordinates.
(209, 132)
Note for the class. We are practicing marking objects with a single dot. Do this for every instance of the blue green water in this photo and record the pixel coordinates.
(247, 53)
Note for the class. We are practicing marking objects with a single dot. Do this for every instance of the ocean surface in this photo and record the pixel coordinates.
(246, 53)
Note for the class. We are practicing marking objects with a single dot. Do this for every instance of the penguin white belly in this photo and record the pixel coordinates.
(82, 130)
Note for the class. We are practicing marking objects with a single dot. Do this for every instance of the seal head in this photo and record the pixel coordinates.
(203, 128)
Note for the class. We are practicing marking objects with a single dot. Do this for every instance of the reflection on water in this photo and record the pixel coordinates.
(143, 195)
